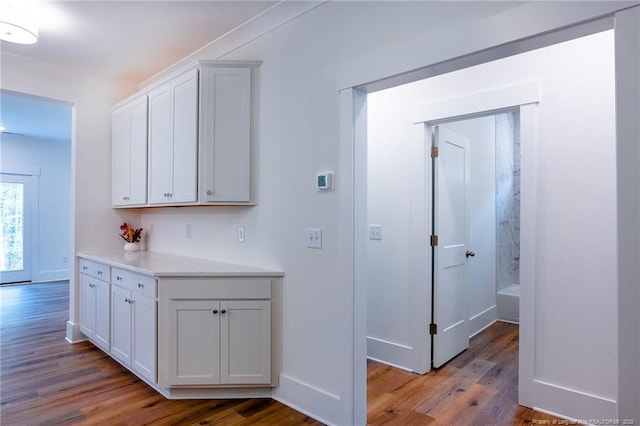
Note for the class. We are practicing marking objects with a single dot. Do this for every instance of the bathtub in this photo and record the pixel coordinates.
(508, 303)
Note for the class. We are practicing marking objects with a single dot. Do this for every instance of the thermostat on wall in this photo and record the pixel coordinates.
(325, 181)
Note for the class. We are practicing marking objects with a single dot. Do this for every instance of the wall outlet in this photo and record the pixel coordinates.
(188, 230)
(241, 234)
(375, 232)
(314, 238)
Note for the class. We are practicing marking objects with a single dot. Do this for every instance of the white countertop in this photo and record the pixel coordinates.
(169, 265)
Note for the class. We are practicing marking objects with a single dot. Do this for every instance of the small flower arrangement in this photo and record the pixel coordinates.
(130, 234)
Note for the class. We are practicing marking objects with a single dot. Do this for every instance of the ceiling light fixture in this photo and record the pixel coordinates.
(17, 26)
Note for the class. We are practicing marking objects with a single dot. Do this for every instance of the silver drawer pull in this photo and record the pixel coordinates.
(99, 272)
(140, 285)
(119, 278)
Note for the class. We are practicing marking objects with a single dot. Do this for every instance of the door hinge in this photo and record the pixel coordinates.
(433, 329)
(434, 240)
(434, 152)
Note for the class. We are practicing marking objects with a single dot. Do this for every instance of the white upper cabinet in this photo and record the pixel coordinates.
(225, 135)
(173, 141)
(129, 126)
(199, 139)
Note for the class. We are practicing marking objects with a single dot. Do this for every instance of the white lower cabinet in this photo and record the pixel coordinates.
(94, 310)
(219, 342)
(185, 333)
(133, 331)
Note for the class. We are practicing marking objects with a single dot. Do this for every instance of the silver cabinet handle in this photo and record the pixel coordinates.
(224, 311)
(209, 192)
(215, 311)
(140, 285)
(119, 278)
(469, 253)
(99, 272)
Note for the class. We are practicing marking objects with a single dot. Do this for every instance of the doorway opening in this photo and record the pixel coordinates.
(404, 175)
(36, 150)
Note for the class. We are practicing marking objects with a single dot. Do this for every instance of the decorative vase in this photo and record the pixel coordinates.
(131, 247)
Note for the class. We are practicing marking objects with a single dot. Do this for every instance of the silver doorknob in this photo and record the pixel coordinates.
(469, 253)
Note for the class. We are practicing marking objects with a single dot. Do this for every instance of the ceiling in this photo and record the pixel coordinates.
(133, 41)
(127, 41)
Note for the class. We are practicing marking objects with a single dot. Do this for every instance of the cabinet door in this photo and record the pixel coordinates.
(245, 341)
(144, 336)
(194, 335)
(225, 134)
(121, 161)
(87, 306)
(129, 138)
(102, 310)
(160, 144)
(138, 153)
(121, 324)
(185, 138)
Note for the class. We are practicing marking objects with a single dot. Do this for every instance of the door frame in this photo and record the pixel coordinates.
(31, 176)
(524, 97)
(353, 88)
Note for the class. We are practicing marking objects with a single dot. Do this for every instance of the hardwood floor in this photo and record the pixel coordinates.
(478, 387)
(44, 380)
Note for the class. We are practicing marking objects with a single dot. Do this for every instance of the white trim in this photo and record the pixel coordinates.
(74, 335)
(536, 28)
(20, 170)
(627, 69)
(528, 206)
(559, 399)
(481, 102)
(395, 354)
(300, 394)
(390, 364)
(480, 322)
(420, 254)
(267, 21)
(46, 276)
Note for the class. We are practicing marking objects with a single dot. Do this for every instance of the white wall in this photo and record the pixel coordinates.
(53, 158)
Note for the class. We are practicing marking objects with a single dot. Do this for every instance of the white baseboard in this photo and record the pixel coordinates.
(484, 319)
(297, 394)
(74, 335)
(572, 404)
(45, 276)
(391, 353)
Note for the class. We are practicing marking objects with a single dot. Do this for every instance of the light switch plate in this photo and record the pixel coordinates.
(375, 232)
(314, 238)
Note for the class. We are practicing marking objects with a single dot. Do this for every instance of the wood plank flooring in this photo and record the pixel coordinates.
(44, 380)
(478, 387)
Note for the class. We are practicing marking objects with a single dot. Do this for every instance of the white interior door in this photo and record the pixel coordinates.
(451, 225)
(15, 213)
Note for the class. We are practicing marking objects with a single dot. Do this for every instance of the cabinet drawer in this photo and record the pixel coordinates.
(134, 282)
(93, 269)
(217, 288)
